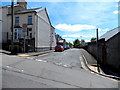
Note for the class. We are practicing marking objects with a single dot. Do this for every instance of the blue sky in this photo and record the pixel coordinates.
(79, 20)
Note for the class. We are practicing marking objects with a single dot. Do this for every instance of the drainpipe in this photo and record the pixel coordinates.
(12, 27)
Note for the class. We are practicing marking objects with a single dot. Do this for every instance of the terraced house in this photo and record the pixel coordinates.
(32, 28)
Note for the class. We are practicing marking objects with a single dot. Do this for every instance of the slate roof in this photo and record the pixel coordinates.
(29, 10)
(110, 33)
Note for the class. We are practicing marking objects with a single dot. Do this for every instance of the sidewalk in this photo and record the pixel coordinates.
(29, 54)
(91, 64)
(4, 51)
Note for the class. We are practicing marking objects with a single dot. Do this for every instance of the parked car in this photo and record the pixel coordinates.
(59, 48)
(67, 46)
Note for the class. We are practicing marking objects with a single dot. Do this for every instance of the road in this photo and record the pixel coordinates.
(52, 70)
(68, 58)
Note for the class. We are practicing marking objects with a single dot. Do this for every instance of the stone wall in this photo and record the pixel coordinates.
(108, 52)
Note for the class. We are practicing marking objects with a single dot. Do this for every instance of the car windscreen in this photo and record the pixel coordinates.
(58, 46)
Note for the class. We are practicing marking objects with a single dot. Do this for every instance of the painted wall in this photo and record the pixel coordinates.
(0, 27)
(4, 24)
(43, 39)
(23, 19)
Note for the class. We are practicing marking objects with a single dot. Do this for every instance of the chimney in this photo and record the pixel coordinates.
(22, 3)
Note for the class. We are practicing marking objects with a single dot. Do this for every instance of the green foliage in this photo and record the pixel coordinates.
(76, 43)
(82, 41)
(93, 39)
(70, 44)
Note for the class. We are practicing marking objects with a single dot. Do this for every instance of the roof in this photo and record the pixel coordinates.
(52, 26)
(10, 5)
(28, 11)
(110, 33)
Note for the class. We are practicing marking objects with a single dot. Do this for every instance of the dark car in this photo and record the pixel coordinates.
(59, 48)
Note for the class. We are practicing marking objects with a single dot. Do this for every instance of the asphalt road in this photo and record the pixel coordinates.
(52, 70)
(69, 58)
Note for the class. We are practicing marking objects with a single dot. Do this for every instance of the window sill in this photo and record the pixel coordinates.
(30, 24)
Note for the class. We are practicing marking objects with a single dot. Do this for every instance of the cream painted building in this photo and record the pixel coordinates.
(32, 24)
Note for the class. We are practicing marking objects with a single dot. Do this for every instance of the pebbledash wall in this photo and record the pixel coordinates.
(108, 51)
(42, 30)
(45, 36)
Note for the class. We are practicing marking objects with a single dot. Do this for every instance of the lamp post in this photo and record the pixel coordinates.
(97, 51)
(12, 14)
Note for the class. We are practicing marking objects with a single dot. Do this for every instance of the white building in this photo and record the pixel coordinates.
(32, 24)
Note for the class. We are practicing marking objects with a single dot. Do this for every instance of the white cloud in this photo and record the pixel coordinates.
(107, 29)
(77, 36)
(69, 39)
(116, 12)
(118, 5)
(117, 0)
(77, 27)
(87, 40)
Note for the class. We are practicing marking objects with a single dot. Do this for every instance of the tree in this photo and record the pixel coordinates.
(82, 41)
(76, 43)
(70, 44)
(93, 39)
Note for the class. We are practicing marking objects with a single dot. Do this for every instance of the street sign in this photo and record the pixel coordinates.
(24, 27)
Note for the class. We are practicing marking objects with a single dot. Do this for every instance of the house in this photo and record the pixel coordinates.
(60, 41)
(32, 28)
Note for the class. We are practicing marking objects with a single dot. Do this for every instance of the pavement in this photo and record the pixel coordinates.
(29, 54)
(91, 64)
(4, 51)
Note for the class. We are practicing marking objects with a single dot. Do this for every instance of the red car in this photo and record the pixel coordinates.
(59, 48)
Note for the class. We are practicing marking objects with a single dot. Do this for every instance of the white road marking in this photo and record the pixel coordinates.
(82, 63)
(40, 60)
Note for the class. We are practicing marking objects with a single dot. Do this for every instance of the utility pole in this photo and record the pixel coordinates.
(97, 51)
(12, 27)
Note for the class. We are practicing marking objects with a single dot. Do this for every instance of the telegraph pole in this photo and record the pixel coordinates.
(97, 51)
(12, 27)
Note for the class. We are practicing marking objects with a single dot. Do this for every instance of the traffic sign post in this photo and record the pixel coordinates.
(24, 30)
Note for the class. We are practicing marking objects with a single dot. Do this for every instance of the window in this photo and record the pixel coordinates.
(30, 19)
(30, 35)
(29, 32)
(17, 34)
(17, 21)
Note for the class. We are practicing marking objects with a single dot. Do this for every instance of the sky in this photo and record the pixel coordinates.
(79, 20)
